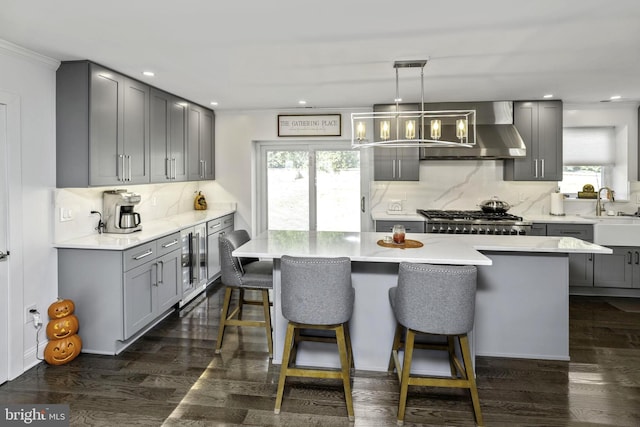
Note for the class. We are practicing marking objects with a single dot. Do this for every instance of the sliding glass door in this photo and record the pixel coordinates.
(309, 187)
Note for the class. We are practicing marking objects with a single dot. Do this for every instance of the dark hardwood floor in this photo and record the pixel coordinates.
(172, 377)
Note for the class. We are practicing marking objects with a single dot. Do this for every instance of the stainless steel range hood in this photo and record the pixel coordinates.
(496, 136)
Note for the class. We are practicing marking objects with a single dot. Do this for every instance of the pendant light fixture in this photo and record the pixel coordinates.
(414, 128)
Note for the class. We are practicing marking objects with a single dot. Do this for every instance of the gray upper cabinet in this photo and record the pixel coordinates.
(395, 164)
(102, 127)
(200, 133)
(168, 128)
(113, 130)
(540, 125)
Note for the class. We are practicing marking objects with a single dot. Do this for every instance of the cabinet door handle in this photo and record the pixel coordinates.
(129, 160)
(362, 204)
(175, 167)
(637, 257)
(541, 168)
(167, 165)
(535, 163)
(121, 173)
(393, 168)
(154, 275)
(168, 245)
(144, 255)
(161, 275)
(399, 168)
(629, 253)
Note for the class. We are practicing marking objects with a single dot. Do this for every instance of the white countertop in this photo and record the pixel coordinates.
(437, 249)
(150, 231)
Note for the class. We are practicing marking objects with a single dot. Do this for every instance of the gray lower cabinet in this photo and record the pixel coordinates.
(409, 226)
(581, 266)
(168, 129)
(120, 294)
(102, 127)
(621, 269)
(216, 228)
(540, 125)
(201, 131)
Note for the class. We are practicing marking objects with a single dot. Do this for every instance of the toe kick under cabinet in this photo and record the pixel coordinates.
(119, 295)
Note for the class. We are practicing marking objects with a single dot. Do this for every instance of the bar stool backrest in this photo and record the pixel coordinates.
(436, 299)
(231, 267)
(316, 291)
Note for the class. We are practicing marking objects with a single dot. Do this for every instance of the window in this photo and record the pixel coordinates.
(309, 186)
(589, 156)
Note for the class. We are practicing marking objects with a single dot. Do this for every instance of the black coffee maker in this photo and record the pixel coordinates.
(120, 216)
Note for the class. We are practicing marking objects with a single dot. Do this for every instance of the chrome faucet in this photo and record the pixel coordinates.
(599, 203)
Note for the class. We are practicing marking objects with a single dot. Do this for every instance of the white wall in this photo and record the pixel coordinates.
(33, 263)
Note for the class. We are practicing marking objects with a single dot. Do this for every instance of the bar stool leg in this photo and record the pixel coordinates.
(284, 366)
(397, 343)
(451, 348)
(406, 372)
(267, 320)
(223, 318)
(345, 366)
(466, 355)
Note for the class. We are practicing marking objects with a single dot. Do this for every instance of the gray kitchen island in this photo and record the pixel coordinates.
(522, 302)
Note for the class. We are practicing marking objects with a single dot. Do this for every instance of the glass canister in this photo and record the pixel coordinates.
(398, 234)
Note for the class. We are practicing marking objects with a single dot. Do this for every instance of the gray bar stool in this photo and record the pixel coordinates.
(316, 295)
(434, 300)
(242, 274)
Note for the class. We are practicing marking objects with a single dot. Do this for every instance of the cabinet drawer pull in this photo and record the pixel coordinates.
(228, 221)
(144, 255)
(168, 245)
(211, 227)
(629, 253)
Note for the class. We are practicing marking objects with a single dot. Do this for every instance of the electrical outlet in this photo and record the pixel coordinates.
(28, 316)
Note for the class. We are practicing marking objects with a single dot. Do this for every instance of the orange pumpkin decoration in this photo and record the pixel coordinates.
(64, 345)
(61, 308)
(62, 327)
(59, 352)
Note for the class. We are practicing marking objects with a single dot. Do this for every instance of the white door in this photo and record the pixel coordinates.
(4, 265)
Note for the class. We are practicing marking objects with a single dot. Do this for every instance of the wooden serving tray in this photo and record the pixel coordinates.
(408, 244)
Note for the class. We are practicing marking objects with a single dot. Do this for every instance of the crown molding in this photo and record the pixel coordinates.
(21, 52)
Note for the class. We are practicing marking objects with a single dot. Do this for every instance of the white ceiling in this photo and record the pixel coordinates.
(256, 54)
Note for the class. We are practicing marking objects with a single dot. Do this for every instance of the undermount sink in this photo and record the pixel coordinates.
(617, 231)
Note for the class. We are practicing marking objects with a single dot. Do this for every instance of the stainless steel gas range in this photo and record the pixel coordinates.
(474, 222)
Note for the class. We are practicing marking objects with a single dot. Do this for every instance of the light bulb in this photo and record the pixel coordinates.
(436, 129)
(410, 129)
(361, 131)
(461, 128)
(385, 130)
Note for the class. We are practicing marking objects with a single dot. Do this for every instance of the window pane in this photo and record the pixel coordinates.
(338, 190)
(288, 190)
(576, 177)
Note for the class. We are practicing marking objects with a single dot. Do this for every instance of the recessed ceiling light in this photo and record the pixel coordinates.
(614, 97)
(149, 73)
(214, 103)
(549, 95)
(302, 102)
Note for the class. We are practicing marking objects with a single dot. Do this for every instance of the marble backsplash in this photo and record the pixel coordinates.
(464, 184)
(158, 201)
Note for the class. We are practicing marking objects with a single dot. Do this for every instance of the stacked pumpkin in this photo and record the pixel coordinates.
(62, 331)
